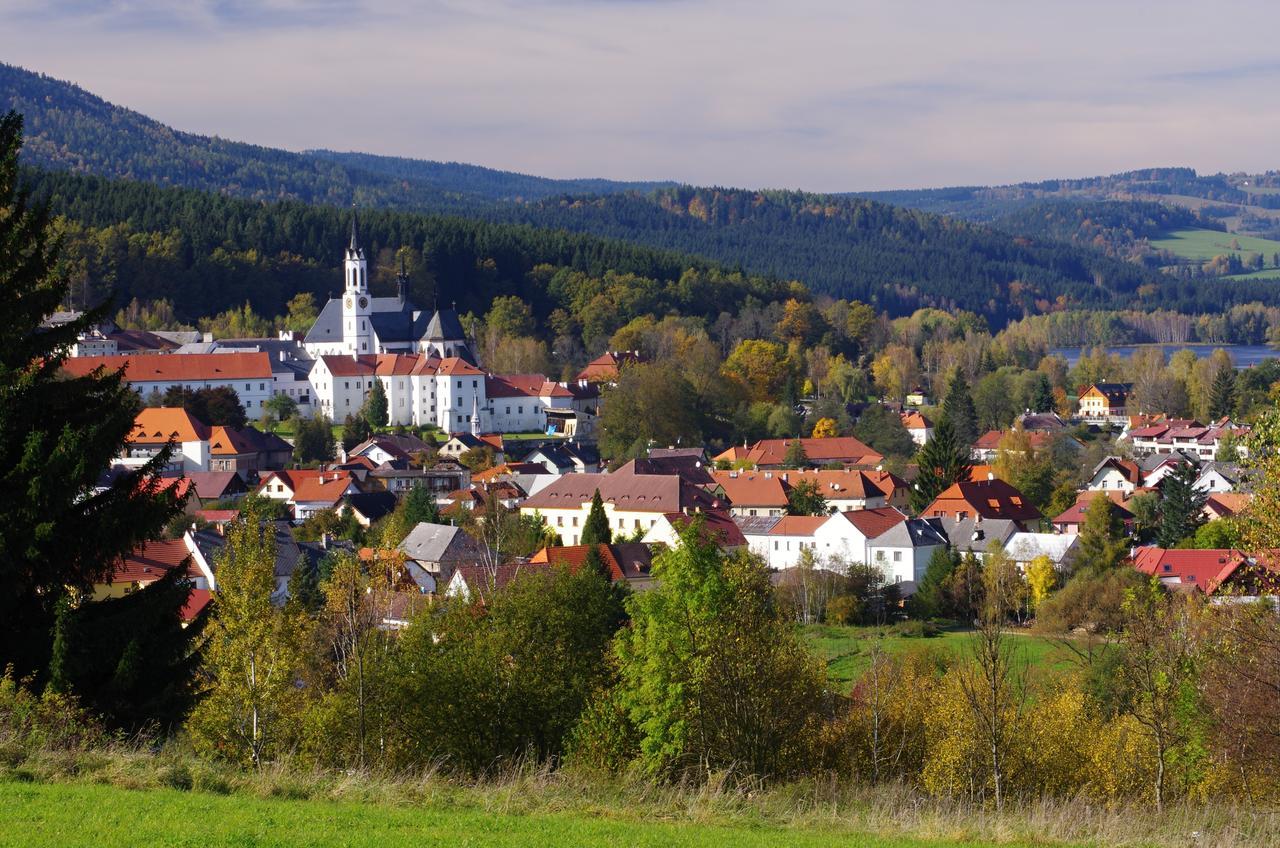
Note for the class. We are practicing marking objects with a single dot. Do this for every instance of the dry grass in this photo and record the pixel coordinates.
(825, 804)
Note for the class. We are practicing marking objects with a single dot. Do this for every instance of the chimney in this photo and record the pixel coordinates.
(991, 475)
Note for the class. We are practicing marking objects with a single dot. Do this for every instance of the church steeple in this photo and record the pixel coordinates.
(356, 268)
(355, 241)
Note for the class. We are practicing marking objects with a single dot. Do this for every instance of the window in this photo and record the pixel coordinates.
(262, 387)
(897, 556)
(474, 384)
(508, 410)
(246, 387)
(559, 520)
(575, 521)
(520, 409)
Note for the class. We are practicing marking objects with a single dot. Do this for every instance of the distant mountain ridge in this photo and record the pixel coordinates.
(898, 259)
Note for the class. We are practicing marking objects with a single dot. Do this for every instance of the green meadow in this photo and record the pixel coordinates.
(1205, 244)
(34, 815)
(847, 650)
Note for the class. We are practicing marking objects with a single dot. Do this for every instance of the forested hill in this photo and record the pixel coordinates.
(1116, 227)
(897, 259)
(70, 128)
(206, 252)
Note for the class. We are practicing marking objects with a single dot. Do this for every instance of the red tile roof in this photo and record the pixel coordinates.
(312, 486)
(1204, 570)
(196, 602)
(156, 425)
(874, 522)
(752, 488)
(150, 561)
(717, 526)
(987, 499)
(177, 367)
(842, 449)
(604, 368)
(798, 525)
(1075, 513)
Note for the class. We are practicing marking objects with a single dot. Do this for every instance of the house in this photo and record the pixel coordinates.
(1225, 504)
(153, 429)
(897, 491)
(632, 502)
(987, 446)
(973, 535)
(986, 499)
(699, 454)
(903, 551)
(290, 554)
(630, 561)
(247, 374)
(1060, 548)
(918, 396)
(718, 526)
(1219, 477)
(1188, 437)
(462, 442)
(438, 549)
(843, 535)
(216, 485)
(837, 450)
(565, 458)
(753, 492)
(247, 451)
(1073, 518)
(1105, 402)
(290, 364)
(367, 507)
(1205, 571)
(524, 403)
(308, 492)
(388, 447)
(603, 370)
(421, 389)
(687, 468)
(1115, 474)
(844, 489)
(1041, 422)
(147, 563)
(399, 477)
(920, 428)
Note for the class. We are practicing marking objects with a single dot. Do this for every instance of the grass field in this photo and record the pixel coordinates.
(1205, 244)
(46, 815)
(847, 650)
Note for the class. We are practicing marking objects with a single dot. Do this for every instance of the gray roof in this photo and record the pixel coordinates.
(289, 552)
(756, 525)
(912, 533)
(970, 534)
(444, 326)
(440, 543)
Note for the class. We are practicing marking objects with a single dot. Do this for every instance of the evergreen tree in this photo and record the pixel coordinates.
(355, 430)
(595, 530)
(56, 436)
(959, 410)
(376, 410)
(930, 599)
(1181, 506)
(1102, 544)
(313, 439)
(944, 461)
(1222, 393)
(420, 507)
(795, 456)
(129, 659)
(1040, 398)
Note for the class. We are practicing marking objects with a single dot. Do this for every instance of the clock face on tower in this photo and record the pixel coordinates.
(349, 303)
(364, 302)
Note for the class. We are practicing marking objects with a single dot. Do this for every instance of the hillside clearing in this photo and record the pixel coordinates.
(1205, 244)
(39, 815)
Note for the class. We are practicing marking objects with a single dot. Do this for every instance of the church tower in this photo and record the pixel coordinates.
(357, 332)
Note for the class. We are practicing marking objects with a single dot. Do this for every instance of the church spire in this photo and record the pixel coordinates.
(355, 242)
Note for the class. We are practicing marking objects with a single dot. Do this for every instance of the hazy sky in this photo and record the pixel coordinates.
(816, 95)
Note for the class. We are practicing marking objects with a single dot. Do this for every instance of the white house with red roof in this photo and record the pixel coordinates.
(421, 389)
(154, 427)
(247, 374)
(306, 491)
(843, 535)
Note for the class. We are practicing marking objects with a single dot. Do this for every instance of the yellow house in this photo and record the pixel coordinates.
(1105, 401)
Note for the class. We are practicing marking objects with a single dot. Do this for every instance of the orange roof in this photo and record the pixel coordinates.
(159, 424)
(752, 488)
(177, 367)
(575, 556)
(986, 498)
(1228, 503)
(913, 420)
(452, 366)
(837, 484)
(226, 441)
(313, 486)
(888, 482)
(798, 525)
(605, 367)
(842, 449)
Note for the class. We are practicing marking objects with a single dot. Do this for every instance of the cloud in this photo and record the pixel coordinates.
(825, 95)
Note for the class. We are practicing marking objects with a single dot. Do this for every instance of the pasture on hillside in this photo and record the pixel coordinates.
(1202, 245)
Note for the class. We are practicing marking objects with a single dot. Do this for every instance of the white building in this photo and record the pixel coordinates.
(247, 374)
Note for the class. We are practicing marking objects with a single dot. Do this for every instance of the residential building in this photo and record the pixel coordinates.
(920, 428)
(718, 526)
(986, 499)
(155, 427)
(1073, 518)
(1060, 548)
(1115, 474)
(1205, 571)
(1105, 402)
(603, 370)
(308, 492)
(773, 453)
(439, 549)
(247, 374)
(975, 535)
(903, 551)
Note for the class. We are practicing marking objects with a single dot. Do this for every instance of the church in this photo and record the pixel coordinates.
(358, 324)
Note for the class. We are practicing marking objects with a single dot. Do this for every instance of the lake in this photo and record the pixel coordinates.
(1243, 355)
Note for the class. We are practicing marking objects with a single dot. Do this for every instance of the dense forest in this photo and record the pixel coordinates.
(1117, 228)
(207, 252)
(898, 260)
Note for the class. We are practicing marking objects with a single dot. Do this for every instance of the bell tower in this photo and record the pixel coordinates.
(357, 332)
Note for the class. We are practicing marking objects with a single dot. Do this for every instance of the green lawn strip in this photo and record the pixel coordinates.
(39, 815)
(847, 650)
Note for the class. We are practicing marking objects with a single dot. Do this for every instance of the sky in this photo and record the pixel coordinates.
(823, 96)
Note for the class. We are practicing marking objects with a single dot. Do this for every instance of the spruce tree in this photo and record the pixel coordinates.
(795, 457)
(595, 531)
(1040, 398)
(420, 507)
(1181, 506)
(1222, 393)
(958, 409)
(1102, 544)
(376, 410)
(57, 435)
(930, 599)
(944, 461)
